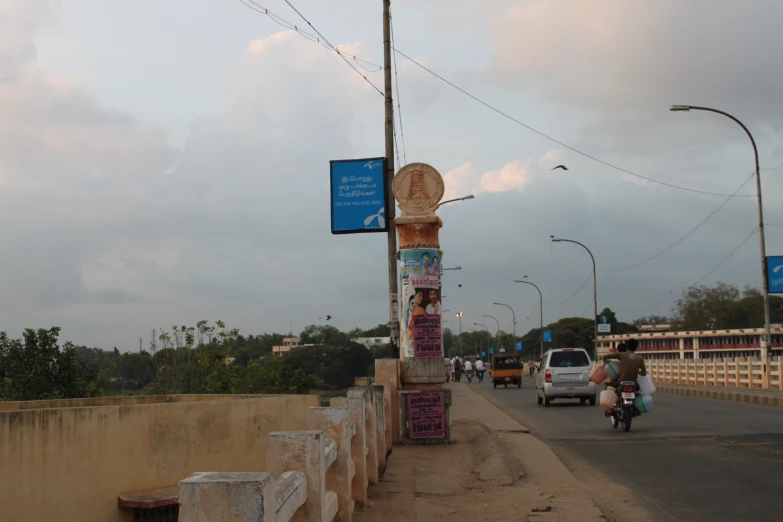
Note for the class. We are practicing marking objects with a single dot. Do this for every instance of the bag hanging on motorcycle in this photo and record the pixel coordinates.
(608, 398)
(644, 403)
(612, 369)
(646, 386)
(598, 374)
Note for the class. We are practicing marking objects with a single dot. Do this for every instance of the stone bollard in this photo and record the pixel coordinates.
(224, 497)
(336, 425)
(358, 447)
(365, 393)
(380, 425)
(304, 451)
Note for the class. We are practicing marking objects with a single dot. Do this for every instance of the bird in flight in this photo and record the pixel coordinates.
(328, 317)
(460, 286)
(560, 167)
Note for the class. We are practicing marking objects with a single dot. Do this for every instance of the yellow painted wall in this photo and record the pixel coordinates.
(71, 463)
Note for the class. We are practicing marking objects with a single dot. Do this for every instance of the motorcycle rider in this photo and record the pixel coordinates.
(631, 364)
(469, 370)
(480, 368)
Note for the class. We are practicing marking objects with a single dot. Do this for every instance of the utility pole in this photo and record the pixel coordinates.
(394, 326)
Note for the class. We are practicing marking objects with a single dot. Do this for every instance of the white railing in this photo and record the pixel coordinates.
(736, 373)
(312, 476)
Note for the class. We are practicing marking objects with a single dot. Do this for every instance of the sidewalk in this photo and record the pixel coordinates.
(744, 395)
(493, 471)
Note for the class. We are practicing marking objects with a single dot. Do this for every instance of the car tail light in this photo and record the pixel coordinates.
(628, 388)
(548, 376)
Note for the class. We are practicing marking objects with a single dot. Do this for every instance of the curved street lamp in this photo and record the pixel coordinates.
(484, 327)
(496, 320)
(514, 318)
(762, 241)
(541, 299)
(595, 287)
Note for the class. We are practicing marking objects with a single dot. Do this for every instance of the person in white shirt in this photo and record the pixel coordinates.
(469, 370)
(447, 363)
(480, 368)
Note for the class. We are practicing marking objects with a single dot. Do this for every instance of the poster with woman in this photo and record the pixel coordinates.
(421, 334)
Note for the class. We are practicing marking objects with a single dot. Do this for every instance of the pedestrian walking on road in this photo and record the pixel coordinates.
(457, 369)
(447, 362)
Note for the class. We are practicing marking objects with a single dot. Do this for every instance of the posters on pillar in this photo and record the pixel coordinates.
(420, 304)
(395, 308)
(427, 415)
(421, 322)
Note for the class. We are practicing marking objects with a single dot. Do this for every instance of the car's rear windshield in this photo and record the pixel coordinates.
(569, 359)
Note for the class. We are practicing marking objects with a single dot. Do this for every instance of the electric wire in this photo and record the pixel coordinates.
(554, 140)
(397, 84)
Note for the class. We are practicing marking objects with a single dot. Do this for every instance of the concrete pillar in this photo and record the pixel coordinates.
(425, 416)
(387, 373)
(336, 425)
(379, 404)
(304, 451)
(224, 497)
(418, 189)
(359, 484)
(366, 395)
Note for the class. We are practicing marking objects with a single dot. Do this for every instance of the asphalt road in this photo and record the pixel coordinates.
(689, 459)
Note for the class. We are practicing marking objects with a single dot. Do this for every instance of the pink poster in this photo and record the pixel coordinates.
(426, 415)
(427, 336)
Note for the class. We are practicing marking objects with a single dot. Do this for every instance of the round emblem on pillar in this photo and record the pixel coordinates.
(418, 188)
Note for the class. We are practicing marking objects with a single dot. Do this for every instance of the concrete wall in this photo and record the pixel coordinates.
(71, 463)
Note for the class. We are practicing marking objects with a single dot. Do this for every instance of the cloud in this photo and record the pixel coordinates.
(465, 180)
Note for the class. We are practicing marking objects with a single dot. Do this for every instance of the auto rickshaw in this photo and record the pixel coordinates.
(505, 370)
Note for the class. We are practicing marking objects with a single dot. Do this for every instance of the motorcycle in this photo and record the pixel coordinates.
(624, 410)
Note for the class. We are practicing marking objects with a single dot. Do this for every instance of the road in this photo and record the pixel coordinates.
(689, 460)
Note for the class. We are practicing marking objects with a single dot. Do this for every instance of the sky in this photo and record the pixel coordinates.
(167, 162)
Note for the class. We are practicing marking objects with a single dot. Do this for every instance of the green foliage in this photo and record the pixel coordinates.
(723, 306)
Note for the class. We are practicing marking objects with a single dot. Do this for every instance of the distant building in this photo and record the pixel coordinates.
(370, 342)
(288, 344)
(654, 327)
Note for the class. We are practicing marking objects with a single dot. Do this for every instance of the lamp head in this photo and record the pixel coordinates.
(680, 108)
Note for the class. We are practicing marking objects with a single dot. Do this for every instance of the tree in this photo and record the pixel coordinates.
(36, 368)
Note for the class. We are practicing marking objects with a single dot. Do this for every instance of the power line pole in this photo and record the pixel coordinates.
(394, 326)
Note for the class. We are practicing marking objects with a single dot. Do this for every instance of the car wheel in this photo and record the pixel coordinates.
(592, 401)
(547, 402)
(582, 400)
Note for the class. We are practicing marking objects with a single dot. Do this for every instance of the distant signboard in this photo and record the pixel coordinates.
(547, 336)
(519, 346)
(483, 354)
(775, 274)
(358, 196)
(604, 328)
(491, 351)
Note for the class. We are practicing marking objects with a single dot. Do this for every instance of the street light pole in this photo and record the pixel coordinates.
(762, 240)
(484, 327)
(595, 288)
(459, 314)
(541, 300)
(514, 318)
(389, 205)
(496, 320)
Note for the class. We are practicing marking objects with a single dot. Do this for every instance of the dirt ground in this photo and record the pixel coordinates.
(493, 471)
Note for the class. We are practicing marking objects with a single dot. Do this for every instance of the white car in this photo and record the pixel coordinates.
(564, 373)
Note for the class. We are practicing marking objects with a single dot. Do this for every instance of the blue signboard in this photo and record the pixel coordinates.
(775, 274)
(519, 346)
(547, 336)
(358, 196)
(491, 351)
(483, 354)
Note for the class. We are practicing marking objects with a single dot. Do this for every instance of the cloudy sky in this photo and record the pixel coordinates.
(166, 162)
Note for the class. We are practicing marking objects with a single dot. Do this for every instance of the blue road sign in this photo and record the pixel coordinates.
(358, 196)
(775, 274)
(483, 354)
(491, 351)
(519, 346)
(547, 336)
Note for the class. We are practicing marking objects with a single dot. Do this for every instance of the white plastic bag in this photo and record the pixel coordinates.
(646, 386)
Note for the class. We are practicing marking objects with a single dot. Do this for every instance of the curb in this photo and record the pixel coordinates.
(742, 397)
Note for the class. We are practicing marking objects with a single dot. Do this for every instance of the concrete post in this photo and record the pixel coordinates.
(227, 497)
(303, 451)
(387, 373)
(336, 425)
(366, 395)
(379, 404)
(360, 483)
